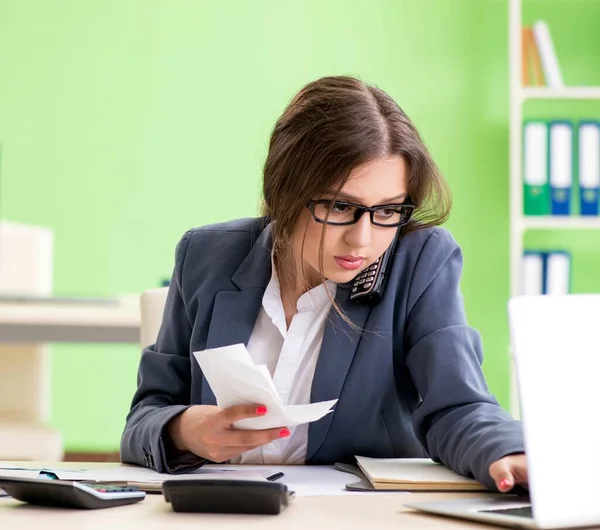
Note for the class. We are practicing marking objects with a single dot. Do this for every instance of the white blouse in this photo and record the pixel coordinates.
(291, 357)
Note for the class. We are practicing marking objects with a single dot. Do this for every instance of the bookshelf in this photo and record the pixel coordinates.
(572, 92)
(554, 223)
(519, 224)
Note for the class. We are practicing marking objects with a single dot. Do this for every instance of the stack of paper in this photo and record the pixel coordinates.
(140, 477)
(414, 474)
(236, 380)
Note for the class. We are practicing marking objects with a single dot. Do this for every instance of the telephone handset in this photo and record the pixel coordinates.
(369, 285)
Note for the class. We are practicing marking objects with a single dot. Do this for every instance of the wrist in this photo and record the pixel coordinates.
(175, 432)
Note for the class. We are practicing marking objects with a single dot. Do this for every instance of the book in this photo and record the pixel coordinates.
(531, 66)
(414, 474)
(547, 53)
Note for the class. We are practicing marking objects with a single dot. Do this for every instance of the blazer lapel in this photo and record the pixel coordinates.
(235, 312)
(340, 342)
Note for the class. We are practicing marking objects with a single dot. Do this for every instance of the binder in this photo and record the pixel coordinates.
(558, 273)
(536, 193)
(532, 276)
(560, 166)
(589, 166)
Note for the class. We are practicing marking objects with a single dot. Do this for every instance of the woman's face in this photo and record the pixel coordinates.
(348, 250)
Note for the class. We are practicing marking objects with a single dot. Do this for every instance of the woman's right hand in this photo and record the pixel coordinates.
(208, 432)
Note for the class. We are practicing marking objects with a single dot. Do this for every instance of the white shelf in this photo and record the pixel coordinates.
(560, 223)
(571, 92)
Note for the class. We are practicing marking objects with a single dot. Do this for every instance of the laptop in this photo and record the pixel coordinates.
(556, 348)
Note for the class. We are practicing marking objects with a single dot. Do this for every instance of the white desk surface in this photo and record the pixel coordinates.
(351, 512)
(28, 322)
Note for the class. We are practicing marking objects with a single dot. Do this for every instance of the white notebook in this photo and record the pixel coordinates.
(414, 474)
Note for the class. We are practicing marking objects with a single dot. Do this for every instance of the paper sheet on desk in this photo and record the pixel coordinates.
(236, 380)
(311, 481)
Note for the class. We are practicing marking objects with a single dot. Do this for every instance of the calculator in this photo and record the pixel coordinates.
(69, 494)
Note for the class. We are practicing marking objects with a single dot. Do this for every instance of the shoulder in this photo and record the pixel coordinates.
(425, 255)
(236, 234)
(226, 243)
(428, 244)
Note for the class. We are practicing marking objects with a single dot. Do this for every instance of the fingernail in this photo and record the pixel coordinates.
(505, 484)
(262, 410)
(283, 433)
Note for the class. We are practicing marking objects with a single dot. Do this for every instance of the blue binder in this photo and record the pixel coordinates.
(589, 166)
(560, 166)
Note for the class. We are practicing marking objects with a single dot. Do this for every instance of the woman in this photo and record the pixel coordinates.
(346, 178)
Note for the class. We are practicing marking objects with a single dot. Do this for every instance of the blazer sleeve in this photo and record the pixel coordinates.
(458, 422)
(163, 389)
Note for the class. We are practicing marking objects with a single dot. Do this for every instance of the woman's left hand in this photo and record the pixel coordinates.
(509, 472)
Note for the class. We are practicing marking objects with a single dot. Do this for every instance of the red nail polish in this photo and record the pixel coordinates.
(505, 484)
(262, 410)
(284, 433)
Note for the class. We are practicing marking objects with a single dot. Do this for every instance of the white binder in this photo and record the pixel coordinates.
(532, 277)
(558, 273)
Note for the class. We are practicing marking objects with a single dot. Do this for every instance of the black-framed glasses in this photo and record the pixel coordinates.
(342, 213)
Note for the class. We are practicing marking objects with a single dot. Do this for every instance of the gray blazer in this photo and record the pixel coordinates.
(409, 384)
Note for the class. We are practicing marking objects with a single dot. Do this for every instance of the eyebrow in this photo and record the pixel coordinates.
(352, 198)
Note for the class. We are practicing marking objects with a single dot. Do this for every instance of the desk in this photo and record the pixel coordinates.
(26, 322)
(346, 512)
(369, 512)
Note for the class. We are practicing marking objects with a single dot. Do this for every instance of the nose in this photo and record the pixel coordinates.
(359, 234)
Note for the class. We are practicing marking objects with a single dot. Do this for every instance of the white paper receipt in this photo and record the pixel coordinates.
(236, 380)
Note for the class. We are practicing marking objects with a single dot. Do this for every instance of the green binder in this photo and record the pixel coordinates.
(536, 188)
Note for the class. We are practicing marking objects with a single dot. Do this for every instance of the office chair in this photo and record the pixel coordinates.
(152, 306)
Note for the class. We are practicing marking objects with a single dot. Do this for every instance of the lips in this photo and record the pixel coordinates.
(349, 263)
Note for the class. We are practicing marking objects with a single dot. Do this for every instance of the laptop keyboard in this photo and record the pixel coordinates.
(524, 511)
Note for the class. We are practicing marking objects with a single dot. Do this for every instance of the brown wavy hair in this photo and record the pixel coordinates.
(330, 127)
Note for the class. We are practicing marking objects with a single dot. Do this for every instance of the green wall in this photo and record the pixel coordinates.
(125, 122)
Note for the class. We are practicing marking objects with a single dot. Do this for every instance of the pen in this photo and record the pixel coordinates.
(275, 476)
